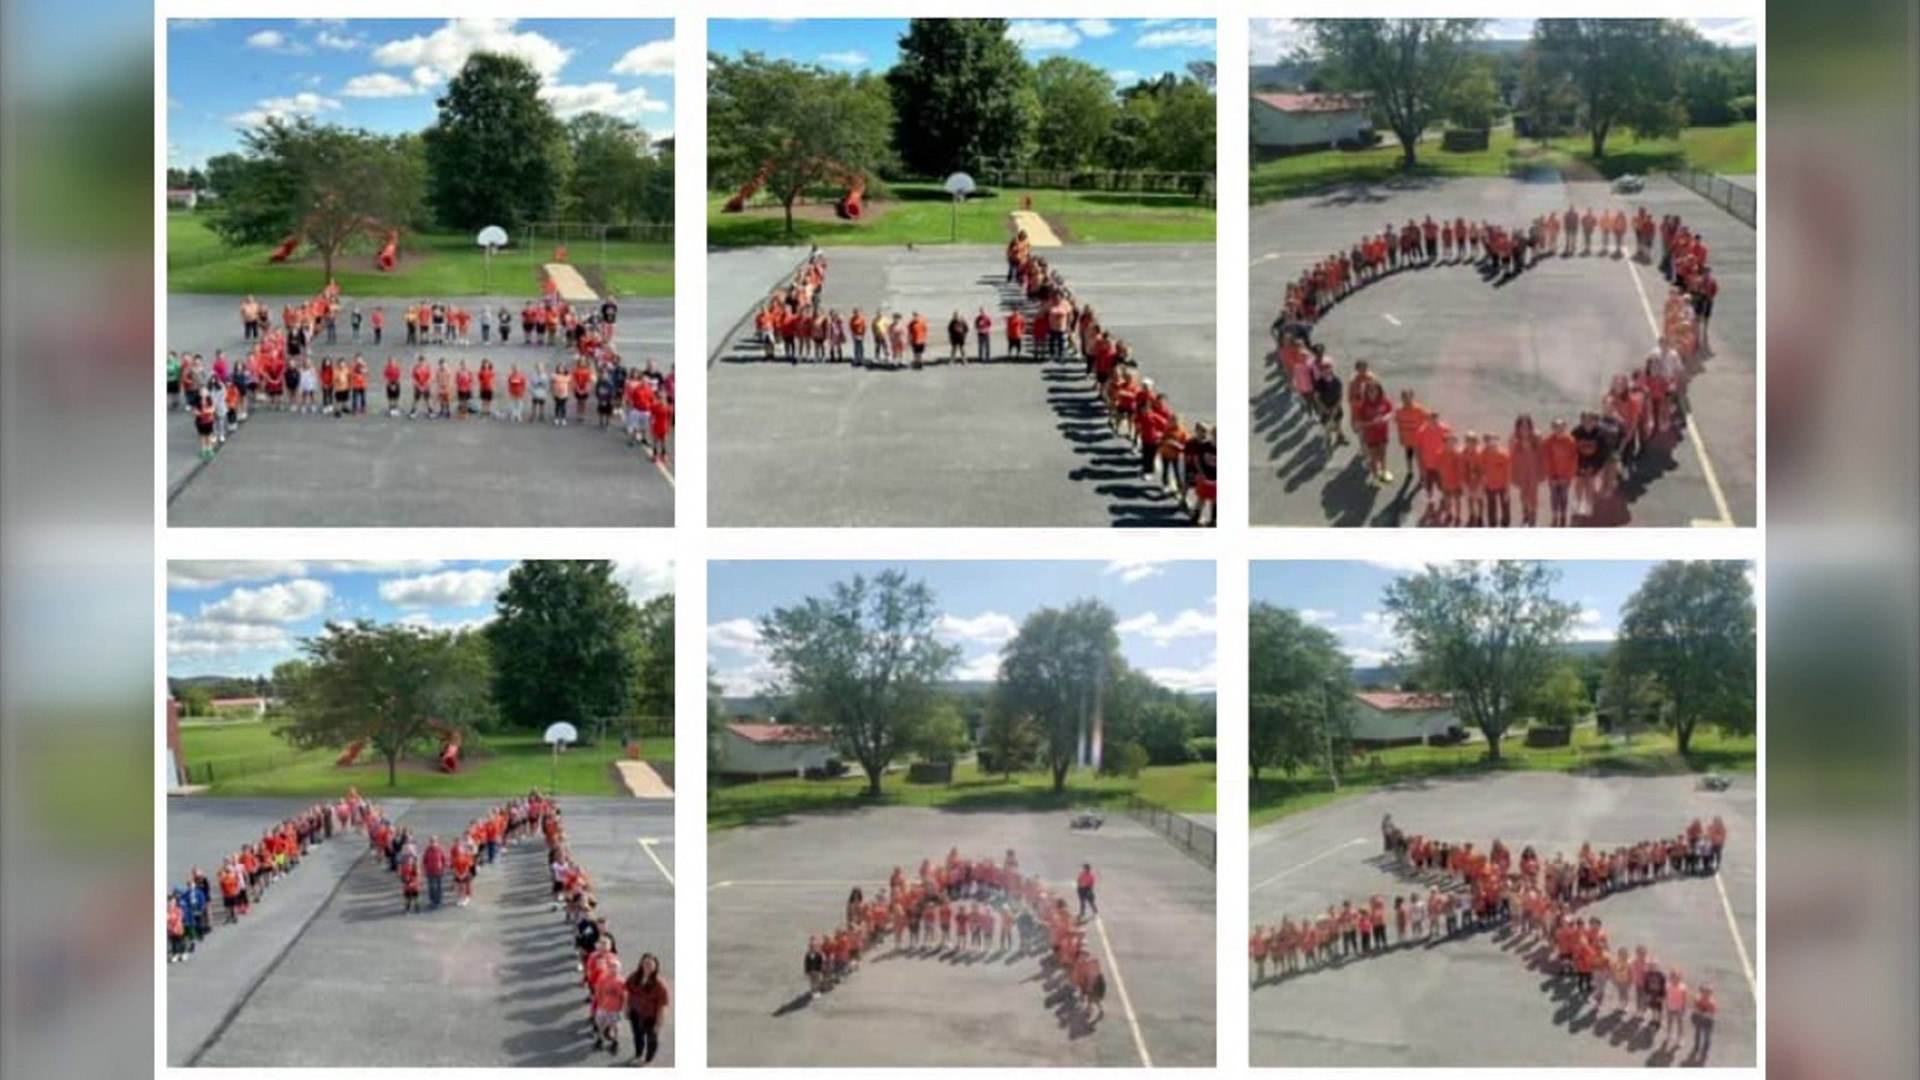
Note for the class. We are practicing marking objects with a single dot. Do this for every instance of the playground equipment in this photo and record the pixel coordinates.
(450, 754)
(389, 251)
(286, 249)
(850, 206)
(560, 253)
(853, 203)
(351, 755)
(558, 736)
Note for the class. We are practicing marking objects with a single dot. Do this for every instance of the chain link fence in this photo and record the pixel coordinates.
(1736, 199)
(1197, 840)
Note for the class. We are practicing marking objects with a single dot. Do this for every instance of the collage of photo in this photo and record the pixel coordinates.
(424, 537)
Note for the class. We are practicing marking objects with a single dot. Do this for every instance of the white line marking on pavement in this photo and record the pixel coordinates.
(646, 845)
(1390, 318)
(1268, 257)
(781, 884)
(1693, 422)
(1746, 965)
(1292, 870)
(1120, 984)
(663, 472)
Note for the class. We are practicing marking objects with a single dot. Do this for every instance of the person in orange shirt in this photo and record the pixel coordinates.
(487, 378)
(516, 394)
(1373, 420)
(1408, 419)
(463, 866)
(463, 390)
(917, 337)
(661, 418)
(1016, 332)
(1496, 475)
(1448, 464)
(1432, 436)
(857, 330)
(1559, 461)
(1523, 450)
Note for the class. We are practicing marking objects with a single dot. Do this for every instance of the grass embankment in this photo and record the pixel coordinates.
(249, 759)
(1186, 788)
(1731, 150)
(924, 214)
(1651, 754)
(432, 265)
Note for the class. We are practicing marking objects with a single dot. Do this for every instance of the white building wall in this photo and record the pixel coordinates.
(742, 756)
(1273, 129)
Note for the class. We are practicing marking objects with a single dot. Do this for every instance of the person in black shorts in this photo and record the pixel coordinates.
(1327, 397)
(815, 965)
(603, 395)
(1590, 456)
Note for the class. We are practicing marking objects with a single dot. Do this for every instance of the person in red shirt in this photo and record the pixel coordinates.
(607, 987)
(662, 426)
(1432, 442)
(1559, 462)
(463, 391)
(640, 398)
(410, 886)
(516, 394)
(486, 386)
(917, 338)
(983, 335)
(422, 388)
(1083, 887)
(1016, 332)
(391, 376)
(1373, 415)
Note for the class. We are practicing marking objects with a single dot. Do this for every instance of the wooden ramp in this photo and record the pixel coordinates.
(568, 285)
(1039, 233)
(640, 781)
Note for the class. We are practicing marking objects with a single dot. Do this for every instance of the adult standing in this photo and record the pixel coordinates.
(648, 997)
(434, 862)
(1083, 888)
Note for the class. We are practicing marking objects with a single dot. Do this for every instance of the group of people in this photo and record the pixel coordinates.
(282, 371)
(243, 878)
(1539, 900)
(1475, 478)
(543, 322)
(640, 997)
(967, 907)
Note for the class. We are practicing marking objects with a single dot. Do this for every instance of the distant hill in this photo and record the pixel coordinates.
(764, 706)
(1391, 675)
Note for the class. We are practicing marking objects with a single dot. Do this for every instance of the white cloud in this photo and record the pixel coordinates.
(1179, 37)
(379, 85)
(266, 39)
(1269, 40)
(1134, 570)
(987, 628)
(286, 602)
(652, 58)
(426, 621)
(448, 588)
(982, 668)
(446, 50)
(735, 636)
(198, 637)
(1728, 31)
(1094, 28)
(851, 58)
(744, 681)
(327, 39)
(601, 97)
(1204, 676)
(1317, 616)
(644, 579)
(425, 77)
(1036, 35)
(1403, 565)
(206, 573)
(1363, 657)
(1188, 623)
(1124, 77)
(304, 103)
(1590, 625)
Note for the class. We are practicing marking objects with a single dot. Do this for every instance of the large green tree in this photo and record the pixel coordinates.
(1299, 691)
(1486, 633)
(653, 685)
(962, 95)
(1690, 626)
(1059, 668)
(396, 686)
(1077, 111)
(567, 644)
(1009, 739)
(497, 154)
(791, 128)
(612, 166)
(334, 188)
(1411, 67)
(1623, 72)
(862, 662)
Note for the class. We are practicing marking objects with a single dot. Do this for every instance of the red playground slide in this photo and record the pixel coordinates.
(853, 203)
(450, 756)
(352, 753)
(285, 250)
(390, 251)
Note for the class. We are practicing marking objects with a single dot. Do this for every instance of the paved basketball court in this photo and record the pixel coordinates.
(1473, 1001)
(772, 885)
(1547, 342)
(327, 971)
(305, 470)
(1002, 444)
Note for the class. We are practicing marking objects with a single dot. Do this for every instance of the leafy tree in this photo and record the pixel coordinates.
(1411, 67)
(1561, 698)
(332, 187)
(1180, 130)
(1633, 700)
(1475, 99)
(653, 686)
(791, 128)
(1009, 740)
(962, 94)
(1124, 758)
(862, 662)
(942, 736)
(497, 154)
(1712, 80)
(191, 179)
(393, 685)
(1077, 110)
(566, 644)
(716, 723)
(1624, 71)
(1486, 633)
(1691, 627)
(1300, 691)
(611, 168)
(1545, 98)
(196, 701)
(1058, 668)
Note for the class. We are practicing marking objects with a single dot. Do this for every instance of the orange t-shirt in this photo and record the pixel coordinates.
(917, 331)
(1496, 468)
(1559, 455)
(1410, 419)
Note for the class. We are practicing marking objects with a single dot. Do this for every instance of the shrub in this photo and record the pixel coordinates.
(1124, 759)
(1202, 748)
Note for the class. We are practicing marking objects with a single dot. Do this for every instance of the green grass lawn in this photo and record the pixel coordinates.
(1650, 754)
(1733, 149)
(924, 214)
(1188, 788)
(432, 265)
(498, 766)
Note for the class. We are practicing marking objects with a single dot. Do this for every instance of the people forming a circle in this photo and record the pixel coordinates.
(1476, 478)
(292, 368)
(1044, 322)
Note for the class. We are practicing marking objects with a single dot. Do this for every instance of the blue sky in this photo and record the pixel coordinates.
(243, 617)
(224, 75)
(1345, 597)
(1129, 49)
(1166, 610)
(1268, 39)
